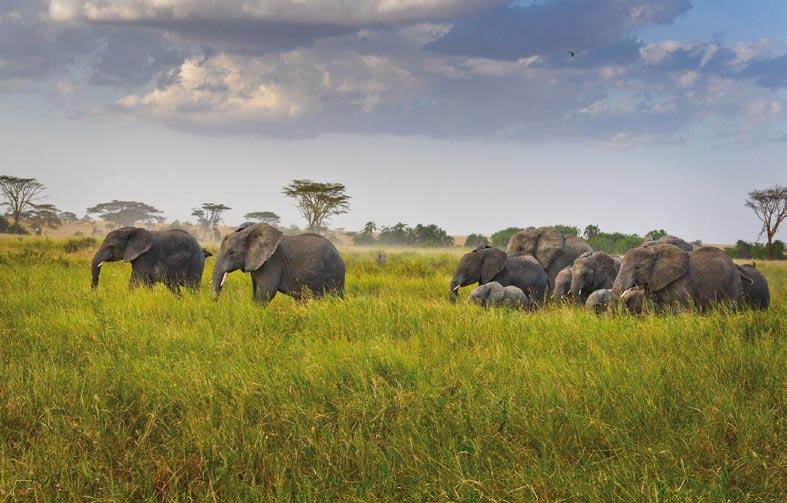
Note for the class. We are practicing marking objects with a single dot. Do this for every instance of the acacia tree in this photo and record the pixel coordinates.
(317, 201)
(209, 217)
(126, 213)
(43, 215)
(68, 216)
(266, 217)
(770, 206)
(19, 195)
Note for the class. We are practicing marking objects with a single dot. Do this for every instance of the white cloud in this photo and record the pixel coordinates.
(341, 12)
(656, 53)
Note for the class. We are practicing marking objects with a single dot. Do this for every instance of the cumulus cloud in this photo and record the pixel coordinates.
(338, 12)
(439, 68)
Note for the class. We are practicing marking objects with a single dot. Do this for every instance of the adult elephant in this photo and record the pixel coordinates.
(591, 272)
(669, 276)
(301, 266)
(754, 287)
(553, 250)
(486, 264)
(172, 257)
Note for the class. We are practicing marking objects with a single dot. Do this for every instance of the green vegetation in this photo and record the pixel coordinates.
(476, 240)
(392, 394)
(567, 230)
(501, 238)
(420, 236)
(746, 250)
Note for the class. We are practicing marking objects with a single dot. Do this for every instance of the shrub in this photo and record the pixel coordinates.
(74, 245)
(567, 230)
(476, 240)
(501, 238)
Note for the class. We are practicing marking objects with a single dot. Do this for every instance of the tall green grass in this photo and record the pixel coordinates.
(392, 394)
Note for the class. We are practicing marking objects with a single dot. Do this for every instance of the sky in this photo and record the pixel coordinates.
(465, 113)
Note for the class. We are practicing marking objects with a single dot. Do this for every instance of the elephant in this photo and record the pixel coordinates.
(552, 250)
(754, 287)
(172, 257)
(302, 266)
(673, 277)
(494, 294)
(562, 284)
(591, 272)
(486, 264)
(601, 300)
(673, 240)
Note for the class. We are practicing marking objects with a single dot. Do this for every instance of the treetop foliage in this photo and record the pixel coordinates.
(317, 201)
(126, 213)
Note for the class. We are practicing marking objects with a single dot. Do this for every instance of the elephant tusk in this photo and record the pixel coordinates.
(457, 287)
(100, 264)
(223, 279)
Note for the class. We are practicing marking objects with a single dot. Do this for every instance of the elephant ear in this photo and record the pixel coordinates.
(605, 269)
(261, 242)
(550, 246)
(138, 242)
(671, 263)
(493, 262)
(744, 274)
(523, 243)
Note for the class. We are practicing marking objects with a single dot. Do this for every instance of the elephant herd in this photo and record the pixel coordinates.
(539, 263)
(300, 266)
(667, 273)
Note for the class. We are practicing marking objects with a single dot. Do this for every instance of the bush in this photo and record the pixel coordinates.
(74, 245)
(567, 230)
(501, 238)
(9, 228)
(421, 236)
(476, 240)
(745, 250)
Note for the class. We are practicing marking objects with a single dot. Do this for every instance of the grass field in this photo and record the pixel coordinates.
(392, 394)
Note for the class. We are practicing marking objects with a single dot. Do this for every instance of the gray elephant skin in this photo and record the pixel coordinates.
(754, 287)
(672, 277)
(486, 264)
(303, 266)
(591, 272)
(553, 250)
(172, 257)
(672, 240)
(494, 294)
(601, 300)
(562, 284)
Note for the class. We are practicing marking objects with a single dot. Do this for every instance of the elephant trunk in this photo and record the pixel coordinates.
(219, 277)
(576, 289)
(95, 266)
(456, 284)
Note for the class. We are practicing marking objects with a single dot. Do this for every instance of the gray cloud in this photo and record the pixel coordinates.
(299, 69)
(513, 32)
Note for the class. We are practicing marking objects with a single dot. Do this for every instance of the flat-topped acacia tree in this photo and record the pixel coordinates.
(770, 206)
(318, 201)
(126, 213)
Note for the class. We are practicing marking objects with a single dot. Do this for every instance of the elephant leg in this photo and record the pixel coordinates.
(262, 291)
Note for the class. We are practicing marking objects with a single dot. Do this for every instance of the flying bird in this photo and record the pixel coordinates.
(572, 54)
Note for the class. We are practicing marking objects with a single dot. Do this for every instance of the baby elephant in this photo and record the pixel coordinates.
(601, 300)
(494, 294)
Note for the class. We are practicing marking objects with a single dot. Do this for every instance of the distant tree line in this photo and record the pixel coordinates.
(746, 250)
(400, 234)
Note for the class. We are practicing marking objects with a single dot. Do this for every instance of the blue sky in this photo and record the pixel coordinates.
(464, 113)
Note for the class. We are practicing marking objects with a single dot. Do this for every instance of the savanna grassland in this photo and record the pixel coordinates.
(392, 394)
